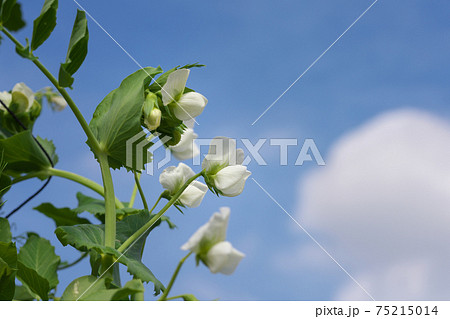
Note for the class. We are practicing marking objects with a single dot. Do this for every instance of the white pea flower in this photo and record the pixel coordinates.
(186, 147)
(5, 97)
(58, 102)
(23, 96)
(223, 168)
(209, 244)
(185, 106)
(173, 178)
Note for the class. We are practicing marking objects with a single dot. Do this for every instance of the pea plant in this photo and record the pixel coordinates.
(149, 104)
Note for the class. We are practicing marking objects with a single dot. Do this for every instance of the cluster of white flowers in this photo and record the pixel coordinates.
(222, 170)
(224, 173)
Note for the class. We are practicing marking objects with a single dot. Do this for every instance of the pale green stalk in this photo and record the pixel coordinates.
(70, 176)
(150, 223)
(174, 276)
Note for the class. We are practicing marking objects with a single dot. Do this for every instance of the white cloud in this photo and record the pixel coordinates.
(383, 203)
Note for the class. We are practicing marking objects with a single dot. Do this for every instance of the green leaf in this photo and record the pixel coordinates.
(23, 154)
(8, 253)
(5, 231)
(37, 284)
(44, 24)
(130, 224)
(15, 21)
(90, 237)
(50, 148)
(7, 8)
(8, 266)
(78, 47)
(23, 293)
(7, 281)
(61, 216)
(89, 204)
(90, 288)
(37, 264)
(117, 120)
(97, 207)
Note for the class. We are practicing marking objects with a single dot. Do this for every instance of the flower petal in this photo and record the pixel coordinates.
(176, 82)
(59, 102)
(26, 91)
(189, 105)
(223, 258)
(186, 147)
(172, 178)
(193, 194)
(6, 98)
(221, 149)
(231, 180)
(211, 233)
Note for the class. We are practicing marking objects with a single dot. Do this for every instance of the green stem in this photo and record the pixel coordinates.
(157, 201)
(90, 135)
(70, 176)
(139, 296)
(137, 176)
(133, 196)
(149, 224)
(174, 276)
(110, 211)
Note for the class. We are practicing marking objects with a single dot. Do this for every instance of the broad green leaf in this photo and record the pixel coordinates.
(130, 224)
(8, 267)
(49, 147)
(61, 216)
(23, 293)
(97, 208)
(7, 7)
(91, 288)
(117, 120)
(89, 204)
(23, 154)
(37, 284)
(78, 47)
(37, 263)
(7, 278)
(5, 231)
(44, 24)
(8, 253)
(15, 21)
(90, 237)
(5, 185)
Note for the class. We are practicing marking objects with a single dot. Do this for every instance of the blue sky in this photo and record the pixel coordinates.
(395, 56)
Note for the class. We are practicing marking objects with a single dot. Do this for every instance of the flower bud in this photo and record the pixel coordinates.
(153, 120)
(151, 111)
